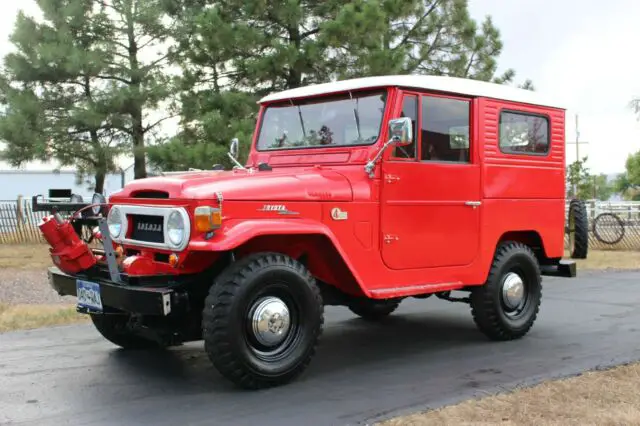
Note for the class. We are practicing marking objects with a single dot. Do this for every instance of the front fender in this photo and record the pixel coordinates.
(237, 232)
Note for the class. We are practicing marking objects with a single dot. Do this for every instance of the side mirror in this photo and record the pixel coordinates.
(401, 131)
(233, 153)
(400, 134)
(233, 149)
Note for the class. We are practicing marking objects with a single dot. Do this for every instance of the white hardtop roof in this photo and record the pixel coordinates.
(453, 85)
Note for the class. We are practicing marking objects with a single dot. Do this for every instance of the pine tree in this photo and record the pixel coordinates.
(235, 51)
(53, 102)
(141, 49)
(87, 84)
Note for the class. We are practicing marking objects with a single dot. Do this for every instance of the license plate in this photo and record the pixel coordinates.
(88, 295)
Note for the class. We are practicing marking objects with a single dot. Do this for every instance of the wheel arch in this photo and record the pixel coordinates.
(316, 251)
(309, 242)
(529, 237)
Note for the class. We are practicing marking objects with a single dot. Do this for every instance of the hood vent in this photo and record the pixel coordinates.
(150, 194)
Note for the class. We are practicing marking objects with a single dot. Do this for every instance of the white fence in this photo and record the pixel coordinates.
(613, 225)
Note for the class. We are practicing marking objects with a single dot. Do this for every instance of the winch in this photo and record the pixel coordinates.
(68, 251)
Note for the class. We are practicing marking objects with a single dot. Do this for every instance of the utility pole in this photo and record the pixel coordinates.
(577, 143)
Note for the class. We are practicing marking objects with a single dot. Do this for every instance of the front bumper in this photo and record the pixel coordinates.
(133, 299)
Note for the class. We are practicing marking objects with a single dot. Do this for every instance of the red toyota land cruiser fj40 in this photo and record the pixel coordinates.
(358, 193)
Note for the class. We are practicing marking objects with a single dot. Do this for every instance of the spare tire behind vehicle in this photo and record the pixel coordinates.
(578, 229)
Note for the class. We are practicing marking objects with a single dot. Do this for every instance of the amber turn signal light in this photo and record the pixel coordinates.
(207, 218)
(173, 259)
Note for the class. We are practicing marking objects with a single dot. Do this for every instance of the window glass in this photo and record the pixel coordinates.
(445, 129)
(409, 109)
(522, 133)
(337, 121)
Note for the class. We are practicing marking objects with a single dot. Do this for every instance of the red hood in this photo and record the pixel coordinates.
(275, 185)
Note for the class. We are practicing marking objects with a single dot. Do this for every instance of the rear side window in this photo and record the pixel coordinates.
(522, 133)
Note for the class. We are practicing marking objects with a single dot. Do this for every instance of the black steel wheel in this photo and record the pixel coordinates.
(578, 229)
(506, 306)
(262, 320)
(115, 328)
(373, 309)
(608, 228)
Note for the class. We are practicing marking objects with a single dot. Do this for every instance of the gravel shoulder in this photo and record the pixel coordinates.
(31, 287)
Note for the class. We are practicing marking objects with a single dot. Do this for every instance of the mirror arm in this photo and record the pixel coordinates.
(237, 163)
(368, 168)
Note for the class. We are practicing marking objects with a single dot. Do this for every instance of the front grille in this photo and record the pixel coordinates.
(147, 228)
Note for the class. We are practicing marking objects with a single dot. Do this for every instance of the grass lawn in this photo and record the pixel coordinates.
(25, 256)
(608, 397)
(24, 316)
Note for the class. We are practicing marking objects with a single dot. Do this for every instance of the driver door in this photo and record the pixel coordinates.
(430, 201)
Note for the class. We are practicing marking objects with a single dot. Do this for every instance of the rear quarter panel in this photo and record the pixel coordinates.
(522, 192)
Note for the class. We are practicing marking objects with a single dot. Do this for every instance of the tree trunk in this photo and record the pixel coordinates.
(99, 177)
(139, 159)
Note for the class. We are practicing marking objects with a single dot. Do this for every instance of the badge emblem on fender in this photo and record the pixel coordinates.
(337, 214)
(279, 208)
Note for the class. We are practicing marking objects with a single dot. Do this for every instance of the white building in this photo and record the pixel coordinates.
(36, 178)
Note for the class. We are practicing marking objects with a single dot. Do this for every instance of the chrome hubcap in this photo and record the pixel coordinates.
(270, 321)
(512, 290)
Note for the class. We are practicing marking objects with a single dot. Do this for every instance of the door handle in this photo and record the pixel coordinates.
(473, 203)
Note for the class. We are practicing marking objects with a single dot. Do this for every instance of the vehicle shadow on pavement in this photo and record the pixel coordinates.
(352, 344)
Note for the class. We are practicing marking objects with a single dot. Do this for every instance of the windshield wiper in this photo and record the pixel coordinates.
(357, 117)
(304, 132)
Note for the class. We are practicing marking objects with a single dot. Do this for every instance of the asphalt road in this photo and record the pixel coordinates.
(427, 354)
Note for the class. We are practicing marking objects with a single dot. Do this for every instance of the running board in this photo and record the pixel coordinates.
(564, 268)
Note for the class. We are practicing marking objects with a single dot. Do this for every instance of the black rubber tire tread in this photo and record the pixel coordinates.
(578, 210)
(217, 328)
(372, 309)
(112, 328)
(485, 299)
(597, 234)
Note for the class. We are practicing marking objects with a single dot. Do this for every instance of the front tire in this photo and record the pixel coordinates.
(506, 306)
(262, 320)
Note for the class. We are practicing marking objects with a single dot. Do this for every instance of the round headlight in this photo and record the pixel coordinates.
(114, 221)
(97, 199)
(175, 228)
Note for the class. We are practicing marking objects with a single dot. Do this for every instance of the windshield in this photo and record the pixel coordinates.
(349, 119)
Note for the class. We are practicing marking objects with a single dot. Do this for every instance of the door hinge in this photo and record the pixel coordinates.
(392, 178)
(389, 238)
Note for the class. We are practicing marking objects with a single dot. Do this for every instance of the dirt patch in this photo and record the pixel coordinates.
(24, 317)
(25, 256)
(595, 398)
(609, 259)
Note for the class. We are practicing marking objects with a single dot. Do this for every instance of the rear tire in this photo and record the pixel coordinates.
(262, 320)
(506, 306)
(372, 309)
(114, 329)
(578, 229)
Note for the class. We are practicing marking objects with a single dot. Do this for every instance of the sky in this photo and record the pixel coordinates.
(583, 52)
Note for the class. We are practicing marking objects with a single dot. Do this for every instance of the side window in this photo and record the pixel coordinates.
(409, 109)
(445, 129)
(522, 133)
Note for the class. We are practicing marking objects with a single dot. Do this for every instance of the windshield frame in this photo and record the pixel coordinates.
(342, 95)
